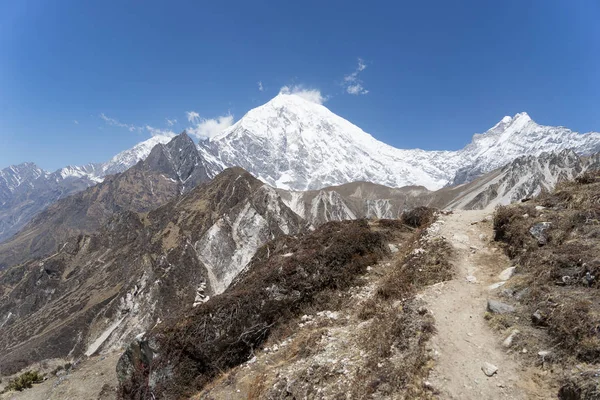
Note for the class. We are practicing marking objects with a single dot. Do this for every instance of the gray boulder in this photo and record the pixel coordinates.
(497, 307)
(540, 232)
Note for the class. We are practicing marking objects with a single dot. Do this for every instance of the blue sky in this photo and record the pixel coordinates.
(435, 71)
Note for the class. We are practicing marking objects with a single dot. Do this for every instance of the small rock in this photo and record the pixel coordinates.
(483, 237)
(393, 248)
(509, 340)
(496, 285)
(489, 218)
(507, 274)
(544, 354)
(471, 279)
(538, 318)
(539, 231)
(521, 293)
(525, 216)
(489, 369)
(540, 208)
(497, 307)
(524, 350)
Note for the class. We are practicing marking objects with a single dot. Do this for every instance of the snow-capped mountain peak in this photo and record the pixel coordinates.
(519, 136)
(128, 158)
(293, 143)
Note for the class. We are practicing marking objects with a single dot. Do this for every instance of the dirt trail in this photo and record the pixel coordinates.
(465, 341)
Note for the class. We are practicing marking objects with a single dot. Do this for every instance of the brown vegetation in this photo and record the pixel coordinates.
(294, 276)
(559, 271)
(285, 276)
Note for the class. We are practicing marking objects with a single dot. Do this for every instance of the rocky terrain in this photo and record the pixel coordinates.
(552, 299)
(138, 270)
(169, 170)
(26, 189)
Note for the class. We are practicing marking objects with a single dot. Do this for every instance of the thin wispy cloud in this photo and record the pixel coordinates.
(132, 128)
(313, 95)
(260, 86)
(171, 122)
(115, 122)
(76, 122)
(352, 82)
(192, 116)
(205, 128)
(159, 132)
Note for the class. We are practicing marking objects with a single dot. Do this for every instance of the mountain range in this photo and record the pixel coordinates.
(101, 253)
(292, 143)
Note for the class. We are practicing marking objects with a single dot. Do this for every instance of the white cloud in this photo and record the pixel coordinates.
(361, 65)
(207, 128)
(356, 89)
(193, 116)
(171, 122)
(76, 122)
(352, 83)
(313, 95)
(114, 122)
(159, 132)
(260, 86)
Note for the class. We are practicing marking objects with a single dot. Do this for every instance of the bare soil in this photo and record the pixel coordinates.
(464, 339)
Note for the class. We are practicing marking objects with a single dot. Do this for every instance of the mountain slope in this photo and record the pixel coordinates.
(169, 170)
(139, 269)
(524, 177)
(26, 189)
(517, 136)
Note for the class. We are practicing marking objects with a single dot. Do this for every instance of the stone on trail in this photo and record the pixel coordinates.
(489, 369)
(507, 273)
(509, 340)
(497, 307)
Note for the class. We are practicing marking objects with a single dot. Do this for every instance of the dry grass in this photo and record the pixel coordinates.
(225, 331)
(560, 280)
(395, 341)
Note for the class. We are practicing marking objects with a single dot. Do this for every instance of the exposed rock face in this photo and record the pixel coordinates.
(524, 177)
(169, 170)
(106, 288)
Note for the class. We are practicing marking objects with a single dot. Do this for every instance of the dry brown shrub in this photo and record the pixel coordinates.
(418, 217)
(274, 290)
(561, 279)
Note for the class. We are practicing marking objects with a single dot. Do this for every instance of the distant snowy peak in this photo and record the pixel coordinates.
(293, 143)
(16, 175)
(518, 136)
(128, 158)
